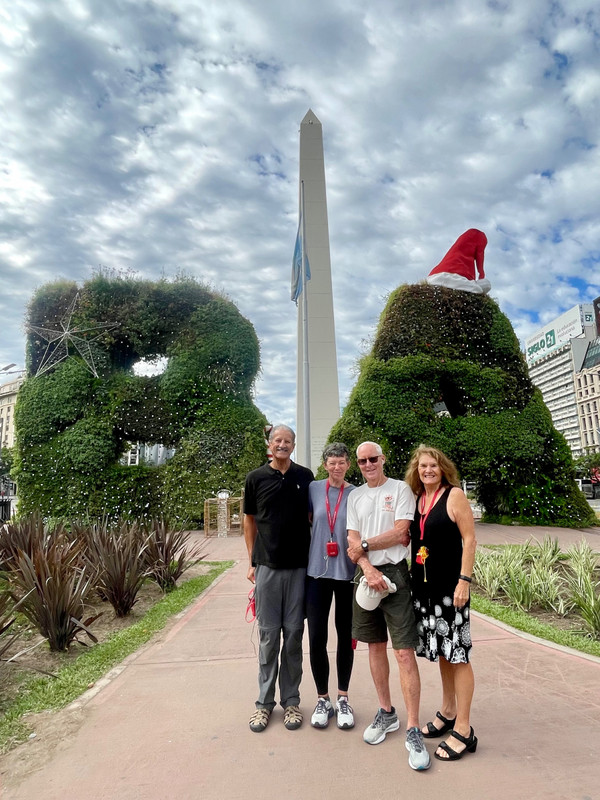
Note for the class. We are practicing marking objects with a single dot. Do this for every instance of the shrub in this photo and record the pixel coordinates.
(73, 427)
(27, 535)
(437, 345)
(7, 620)
(582, 558)
(168, 553)
(584, 593)
(116, 555)
(52, 587)
(584, 586)
(518, 588)
(548, 553)
(550, 588)
(535, 575)
(489, 572)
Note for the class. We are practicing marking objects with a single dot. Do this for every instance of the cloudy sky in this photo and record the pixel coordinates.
(161, 136)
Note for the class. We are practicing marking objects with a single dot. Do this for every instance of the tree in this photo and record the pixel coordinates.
(446, 369)
(6, 461)
(73, 427)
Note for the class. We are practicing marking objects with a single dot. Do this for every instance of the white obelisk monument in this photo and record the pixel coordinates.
(316, 325)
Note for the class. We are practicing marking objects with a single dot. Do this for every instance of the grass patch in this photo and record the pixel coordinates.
(45, 694)
(529, 624)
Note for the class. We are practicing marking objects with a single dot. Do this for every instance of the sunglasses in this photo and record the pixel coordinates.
(371, 459)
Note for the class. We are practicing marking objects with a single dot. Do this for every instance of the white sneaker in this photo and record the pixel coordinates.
(345, 713)
(418, 757)
(384, 723)
(322, 713)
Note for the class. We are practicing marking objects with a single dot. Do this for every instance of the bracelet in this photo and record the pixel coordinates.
(465, 578)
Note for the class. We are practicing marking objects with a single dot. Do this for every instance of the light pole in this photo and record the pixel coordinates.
(8, 370)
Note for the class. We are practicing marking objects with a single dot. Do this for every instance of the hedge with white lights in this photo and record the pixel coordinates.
(72, 427)
(443, 346)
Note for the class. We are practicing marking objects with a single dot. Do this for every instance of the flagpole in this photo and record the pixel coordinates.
(305, 362)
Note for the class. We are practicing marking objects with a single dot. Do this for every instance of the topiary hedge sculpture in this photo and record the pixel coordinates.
(446, 369)
(73, 427)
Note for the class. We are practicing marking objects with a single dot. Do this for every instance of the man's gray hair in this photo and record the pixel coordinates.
(373, 444)
(336, 450)
(276, 428)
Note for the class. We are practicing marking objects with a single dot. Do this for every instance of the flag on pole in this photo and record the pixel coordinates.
(297, 278)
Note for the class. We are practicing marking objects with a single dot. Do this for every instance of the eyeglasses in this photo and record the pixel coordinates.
(371, 459)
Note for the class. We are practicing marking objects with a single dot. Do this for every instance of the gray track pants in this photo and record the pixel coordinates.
(279, 609)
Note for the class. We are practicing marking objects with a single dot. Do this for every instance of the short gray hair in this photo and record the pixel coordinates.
(276, 428)
(373, 444)
(336, 450)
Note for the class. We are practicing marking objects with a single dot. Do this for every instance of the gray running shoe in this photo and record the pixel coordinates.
(383, 724)
(418, 757)
(322, 713)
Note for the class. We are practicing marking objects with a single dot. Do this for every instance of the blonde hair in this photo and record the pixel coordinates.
(448, 468)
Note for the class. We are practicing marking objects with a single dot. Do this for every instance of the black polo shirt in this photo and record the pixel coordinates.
(279, 503)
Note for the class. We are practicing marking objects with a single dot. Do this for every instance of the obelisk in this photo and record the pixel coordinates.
(324, 400)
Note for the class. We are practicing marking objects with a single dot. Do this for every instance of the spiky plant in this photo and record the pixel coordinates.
(7, 619)
(489, 573)
(25, 536)
(550, 588)
(169, 553)
(548, 553)
(52, 587)
(584, 586)
(116, 552)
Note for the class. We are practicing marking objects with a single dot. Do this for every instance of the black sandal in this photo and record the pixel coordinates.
(433, 732)
(470, 747)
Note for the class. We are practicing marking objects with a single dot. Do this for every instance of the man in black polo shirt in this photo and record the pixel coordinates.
(277, 535)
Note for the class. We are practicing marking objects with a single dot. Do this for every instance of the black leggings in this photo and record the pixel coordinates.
(319, 594)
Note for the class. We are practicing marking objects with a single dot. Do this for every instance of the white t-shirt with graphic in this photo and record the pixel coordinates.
(373, 511)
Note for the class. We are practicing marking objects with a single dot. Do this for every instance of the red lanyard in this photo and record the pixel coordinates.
(423, 519)
(331, 519)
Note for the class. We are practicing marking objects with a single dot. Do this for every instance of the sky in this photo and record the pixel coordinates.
(161, 137)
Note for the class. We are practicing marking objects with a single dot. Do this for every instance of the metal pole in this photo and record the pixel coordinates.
(305, 362)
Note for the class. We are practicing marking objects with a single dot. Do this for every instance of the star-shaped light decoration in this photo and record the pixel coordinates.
(57, 349)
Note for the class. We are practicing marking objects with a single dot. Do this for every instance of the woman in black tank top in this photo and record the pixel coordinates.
(443, 552)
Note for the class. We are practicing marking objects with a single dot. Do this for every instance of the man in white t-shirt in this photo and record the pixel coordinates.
(378, 519)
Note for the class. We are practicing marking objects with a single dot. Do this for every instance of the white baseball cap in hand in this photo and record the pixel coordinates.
(369, 598)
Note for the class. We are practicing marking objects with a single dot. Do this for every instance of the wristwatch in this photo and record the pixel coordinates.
(365, 546)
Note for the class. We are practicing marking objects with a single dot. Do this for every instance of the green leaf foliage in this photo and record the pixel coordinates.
(72, 427)
(7, 458)
(436, 345)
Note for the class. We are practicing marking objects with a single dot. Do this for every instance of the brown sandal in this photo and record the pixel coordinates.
(292, 718)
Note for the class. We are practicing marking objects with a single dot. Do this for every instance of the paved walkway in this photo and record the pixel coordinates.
(173, 721)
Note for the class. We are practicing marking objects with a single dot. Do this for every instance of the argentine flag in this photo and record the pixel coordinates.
(297, 279)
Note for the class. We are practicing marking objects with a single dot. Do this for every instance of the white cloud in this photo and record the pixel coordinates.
(164, 137)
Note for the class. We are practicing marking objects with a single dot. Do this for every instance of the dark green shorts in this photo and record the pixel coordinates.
(394, 614)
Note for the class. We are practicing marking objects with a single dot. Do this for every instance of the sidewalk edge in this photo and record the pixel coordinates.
(536, 639)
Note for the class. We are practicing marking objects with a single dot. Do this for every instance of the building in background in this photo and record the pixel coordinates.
(8, 399)
(587, 383)
(152, 455)
(556, 356)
